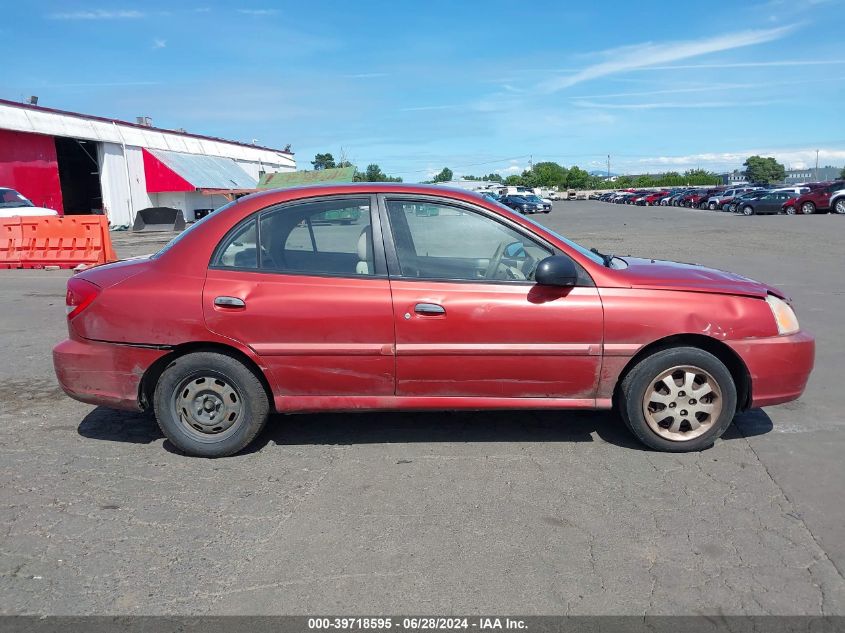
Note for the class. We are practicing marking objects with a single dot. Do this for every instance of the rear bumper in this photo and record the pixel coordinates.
(105, 374)
(779, 366)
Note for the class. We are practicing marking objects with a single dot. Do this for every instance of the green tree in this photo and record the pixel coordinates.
(514, 180)
(701, 177)
(764, 171)
(373, 173)
(324, 161)
(577, 178)
(644, 180)
(842, 173)
(549, 174)
(445, 175)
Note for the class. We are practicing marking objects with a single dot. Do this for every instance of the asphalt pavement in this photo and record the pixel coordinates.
(437, 513)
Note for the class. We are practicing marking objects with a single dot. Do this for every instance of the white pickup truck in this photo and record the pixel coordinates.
(13, 204)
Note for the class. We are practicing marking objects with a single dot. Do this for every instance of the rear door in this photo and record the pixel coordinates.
(471, 322)
(305, 286)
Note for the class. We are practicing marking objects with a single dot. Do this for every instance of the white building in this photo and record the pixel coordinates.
(78, 164)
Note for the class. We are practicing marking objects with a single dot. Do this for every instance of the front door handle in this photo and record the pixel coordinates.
(229, 302)
(429, 309)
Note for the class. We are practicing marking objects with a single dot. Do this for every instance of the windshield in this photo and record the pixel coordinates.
(533, 198)
(11, 198)
(585, 252)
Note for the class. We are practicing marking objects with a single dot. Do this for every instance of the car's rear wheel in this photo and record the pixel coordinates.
(678, 400)
(748, 210)
(210, 404)
(808, 208)
(839, 207)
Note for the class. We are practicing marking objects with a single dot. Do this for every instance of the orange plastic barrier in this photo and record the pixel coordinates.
(66, 242)
(10, 237)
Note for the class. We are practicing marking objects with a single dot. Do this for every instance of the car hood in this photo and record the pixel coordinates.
(11, 212)
(666, 275)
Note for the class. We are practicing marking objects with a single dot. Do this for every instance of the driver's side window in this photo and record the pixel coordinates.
(440, 241)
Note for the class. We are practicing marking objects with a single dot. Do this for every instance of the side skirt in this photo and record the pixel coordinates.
(304, 404)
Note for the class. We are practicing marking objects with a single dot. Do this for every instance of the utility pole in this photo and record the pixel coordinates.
(608, 166)
(530, 163)
(817, 165)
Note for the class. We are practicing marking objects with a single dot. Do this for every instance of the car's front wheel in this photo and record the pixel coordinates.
(790, 210)
(678, 400)
(210, 404)
(839, 207)
(808, 208)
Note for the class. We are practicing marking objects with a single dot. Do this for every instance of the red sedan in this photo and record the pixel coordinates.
(356, 297)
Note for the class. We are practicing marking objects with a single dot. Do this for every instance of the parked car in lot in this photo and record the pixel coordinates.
(545, 205)
(523, 204)
(734, 205)
(817, 199)
(837, 200)
(14, 204)
(721, 199)
(256, 308)
(769, 203)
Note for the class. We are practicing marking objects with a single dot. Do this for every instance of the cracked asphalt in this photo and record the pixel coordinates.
(506, 512)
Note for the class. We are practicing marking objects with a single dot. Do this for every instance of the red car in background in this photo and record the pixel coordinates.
(817, 199)
(427, 298)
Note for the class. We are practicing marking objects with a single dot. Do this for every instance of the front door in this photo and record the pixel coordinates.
(302, 285)
(469, 319)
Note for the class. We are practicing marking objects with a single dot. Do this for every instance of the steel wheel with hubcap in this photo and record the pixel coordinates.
(678, 399)
(682, 403)
(207, 405)
(210, 404)
(747, 210)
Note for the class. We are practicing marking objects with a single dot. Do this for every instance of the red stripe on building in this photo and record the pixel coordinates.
(28, 165)
(160, 178)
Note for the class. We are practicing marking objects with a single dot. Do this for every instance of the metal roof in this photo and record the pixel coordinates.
(22, 117)
(282, 180)
(206, 172)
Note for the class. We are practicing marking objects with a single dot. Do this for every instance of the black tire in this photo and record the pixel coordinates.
(633, 390)
(839, 206)
(808, 208)
(790, 210)
(249, 394)
(747, 210)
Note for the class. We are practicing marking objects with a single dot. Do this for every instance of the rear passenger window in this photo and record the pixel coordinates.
(327, 237)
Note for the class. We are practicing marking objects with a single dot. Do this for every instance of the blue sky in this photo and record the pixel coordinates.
(475, 86)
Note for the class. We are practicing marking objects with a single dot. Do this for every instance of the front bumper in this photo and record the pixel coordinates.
(779, 366)
(106, 374)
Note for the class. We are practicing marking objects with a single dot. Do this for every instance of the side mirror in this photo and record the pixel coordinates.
(556, 270)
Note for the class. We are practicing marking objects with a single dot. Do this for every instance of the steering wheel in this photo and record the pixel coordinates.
(493, 266)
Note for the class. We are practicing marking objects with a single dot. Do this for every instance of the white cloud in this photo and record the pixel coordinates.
(159, 43)
(672, 105)
(365, 75)
(97, 14)
(792, 158)
(258, 12)
(775, 64)
(649, 54)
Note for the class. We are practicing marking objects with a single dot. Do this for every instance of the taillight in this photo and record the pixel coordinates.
(80, 294)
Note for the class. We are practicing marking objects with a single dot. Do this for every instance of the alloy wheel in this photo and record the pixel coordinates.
(682, 403)
(808, 208)
(840, 206)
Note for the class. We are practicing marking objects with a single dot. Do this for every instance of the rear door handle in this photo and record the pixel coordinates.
(229, 302)
(429, 309)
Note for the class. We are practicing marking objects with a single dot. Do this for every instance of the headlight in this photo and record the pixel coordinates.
(784, 315)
